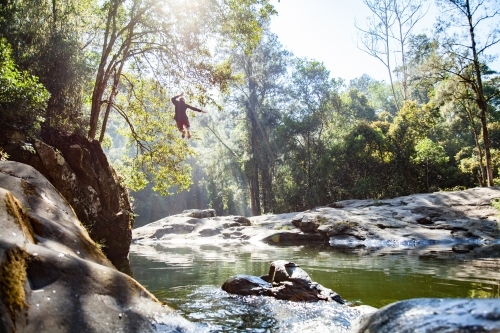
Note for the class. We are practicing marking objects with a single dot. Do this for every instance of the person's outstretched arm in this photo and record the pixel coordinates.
(195, 109)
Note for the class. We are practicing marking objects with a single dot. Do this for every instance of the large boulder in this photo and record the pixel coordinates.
(78, 168)
(429, 315)
(285, 281)
(53, 276)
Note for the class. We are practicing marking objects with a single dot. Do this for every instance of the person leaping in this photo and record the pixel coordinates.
(181, 117)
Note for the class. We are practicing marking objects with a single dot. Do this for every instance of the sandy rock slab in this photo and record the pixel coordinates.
(461, 217)
(54, 278)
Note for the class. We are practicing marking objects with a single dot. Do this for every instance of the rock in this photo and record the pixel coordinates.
(54, 278)
(199, 213)
(241, 220)
(308, 223)
(285, 281)
(433, 315)
(418, 220)
(424, 220)
(282, 270)
(293, 238)
(79, 170)
(246, 285)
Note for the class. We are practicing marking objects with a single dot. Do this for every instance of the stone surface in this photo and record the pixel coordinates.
(54, 278)
(199, 213)
(449, 218)
(433, 315)
(79, 170)
(285, 281)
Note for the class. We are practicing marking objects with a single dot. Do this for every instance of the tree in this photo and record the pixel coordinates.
(169, 41)
(412, 124)
(22, 98)
(357, 105)
(314, 102)
(48, 41)
(388, 32)
(431, 155)
(262, 78)
(458, 105)
(468, 16)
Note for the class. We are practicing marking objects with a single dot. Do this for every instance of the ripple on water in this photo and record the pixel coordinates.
(222, 312)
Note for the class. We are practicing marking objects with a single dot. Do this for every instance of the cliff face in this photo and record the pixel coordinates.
(79, 170)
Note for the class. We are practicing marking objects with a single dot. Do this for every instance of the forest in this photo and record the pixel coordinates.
(281, 134)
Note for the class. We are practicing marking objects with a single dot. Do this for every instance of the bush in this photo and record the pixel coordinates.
(22, 98)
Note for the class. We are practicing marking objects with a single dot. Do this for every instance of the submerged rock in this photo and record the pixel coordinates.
(54, 277)
(428, 315)
(285, 281)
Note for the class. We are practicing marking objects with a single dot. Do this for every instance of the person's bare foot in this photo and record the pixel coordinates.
(184, 134)
(189, 135)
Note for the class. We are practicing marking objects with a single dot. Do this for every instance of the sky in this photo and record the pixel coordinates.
(324, 30)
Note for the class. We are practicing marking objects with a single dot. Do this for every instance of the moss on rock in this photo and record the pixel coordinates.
(15, 209)
(12, 279)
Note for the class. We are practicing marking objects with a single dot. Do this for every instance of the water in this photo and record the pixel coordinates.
(188, 279)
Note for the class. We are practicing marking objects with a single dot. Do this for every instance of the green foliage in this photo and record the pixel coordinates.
(428, 152)
(431, 157)
(47, 42)
(470, 161)
(246, 20)
(154, 151)
(22, 98)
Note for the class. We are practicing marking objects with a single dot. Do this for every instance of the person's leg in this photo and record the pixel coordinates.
(187, 125)
(180, 127)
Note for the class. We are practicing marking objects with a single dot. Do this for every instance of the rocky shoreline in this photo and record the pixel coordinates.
(460, 217)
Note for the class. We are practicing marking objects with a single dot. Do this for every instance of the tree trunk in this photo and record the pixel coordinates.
(481, 101)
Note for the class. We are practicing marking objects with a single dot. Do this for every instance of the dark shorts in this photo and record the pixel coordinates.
(182, 123)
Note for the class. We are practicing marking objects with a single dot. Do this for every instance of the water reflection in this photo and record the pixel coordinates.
(188, 278)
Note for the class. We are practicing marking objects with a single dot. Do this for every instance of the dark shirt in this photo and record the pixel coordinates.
(180, 109)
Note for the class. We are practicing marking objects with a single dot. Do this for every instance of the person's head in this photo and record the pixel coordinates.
(182, 99)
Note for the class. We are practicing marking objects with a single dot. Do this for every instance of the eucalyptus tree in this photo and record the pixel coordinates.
(303, 135)
(257, 95)
(467, 51)
(412, 124)
(458, 106)
(431, 156)
(387, 33)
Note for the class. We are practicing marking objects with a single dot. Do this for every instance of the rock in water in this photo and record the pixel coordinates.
(286, 281)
